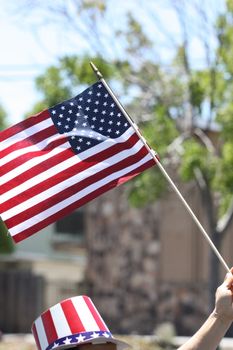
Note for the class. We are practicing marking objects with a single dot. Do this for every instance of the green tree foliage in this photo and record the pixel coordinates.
(3, 116)
(193, 100)
(60, 82)
(150, 185)
(6, 243)
(175, 104)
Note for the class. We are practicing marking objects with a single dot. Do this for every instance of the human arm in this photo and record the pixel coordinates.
(215, 327)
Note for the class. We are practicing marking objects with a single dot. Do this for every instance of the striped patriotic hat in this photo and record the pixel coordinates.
(72, 322)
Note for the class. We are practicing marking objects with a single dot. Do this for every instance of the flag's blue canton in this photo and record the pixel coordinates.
(89, 118)
(79, 338)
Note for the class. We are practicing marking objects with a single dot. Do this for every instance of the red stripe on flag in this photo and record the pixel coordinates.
(27, 123)
(49, 327)
(59, 182)
(22, 159)
(29, 140)
(72, 317)
(51, 219)
(68, 192)
(36, 170)
(60, 176)
(102, 326)
(34, 331)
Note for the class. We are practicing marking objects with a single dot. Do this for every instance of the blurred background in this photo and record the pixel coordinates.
(135, 251)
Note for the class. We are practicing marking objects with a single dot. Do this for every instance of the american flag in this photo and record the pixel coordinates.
(58, 160)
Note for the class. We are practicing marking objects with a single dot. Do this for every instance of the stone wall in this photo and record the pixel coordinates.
(148, 266)
(185, 306)
(123, 247)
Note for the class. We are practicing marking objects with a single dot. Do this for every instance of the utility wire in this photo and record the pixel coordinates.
(22, 66)
(20, 72)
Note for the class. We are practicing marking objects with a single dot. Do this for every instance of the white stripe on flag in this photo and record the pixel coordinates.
(33, 162)
(40, 178)
(41, 333)
(87, 190)
(61, 325)
(24, 134)
(94, 150)
(15, 154)
(62, 185)
(54, 170)
(85, 314)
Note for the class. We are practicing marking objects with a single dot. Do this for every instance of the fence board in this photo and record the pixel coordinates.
(21, 300)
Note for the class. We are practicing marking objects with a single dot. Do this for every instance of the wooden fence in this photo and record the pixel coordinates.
(21, 300)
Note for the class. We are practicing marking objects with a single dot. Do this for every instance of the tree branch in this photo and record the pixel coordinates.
(205, 140)
(207, 199)
(225, 221)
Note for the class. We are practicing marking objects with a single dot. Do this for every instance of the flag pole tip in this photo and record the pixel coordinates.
(96, 70)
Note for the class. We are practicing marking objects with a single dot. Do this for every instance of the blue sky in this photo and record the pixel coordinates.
(25, 53)
(26, 50)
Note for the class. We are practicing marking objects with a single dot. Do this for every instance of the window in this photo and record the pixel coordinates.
(71, 227)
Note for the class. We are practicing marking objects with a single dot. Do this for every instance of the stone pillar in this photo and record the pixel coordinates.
(122, 267)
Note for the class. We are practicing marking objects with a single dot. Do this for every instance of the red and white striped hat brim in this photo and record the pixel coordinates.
(71, 322)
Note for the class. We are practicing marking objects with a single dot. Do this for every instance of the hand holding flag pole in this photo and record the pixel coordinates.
(206, 236)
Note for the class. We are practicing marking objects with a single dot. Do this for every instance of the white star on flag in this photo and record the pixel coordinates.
(50, 166)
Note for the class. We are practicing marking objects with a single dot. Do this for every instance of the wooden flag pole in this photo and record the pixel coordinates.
(153, 154)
